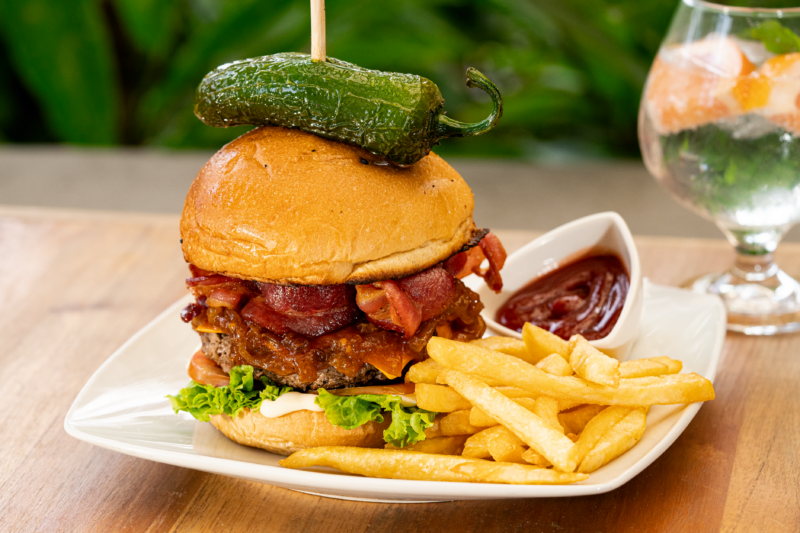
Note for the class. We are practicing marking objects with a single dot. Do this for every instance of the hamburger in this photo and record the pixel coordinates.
(319, 272)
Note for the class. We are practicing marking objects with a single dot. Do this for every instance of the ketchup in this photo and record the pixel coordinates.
(585, 296)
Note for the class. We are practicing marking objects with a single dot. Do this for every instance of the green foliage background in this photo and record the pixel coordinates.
(109, 72)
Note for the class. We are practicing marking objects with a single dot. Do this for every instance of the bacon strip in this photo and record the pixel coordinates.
(205, 371)
(404, 304)
(496, 254)
(404, 312)
(309, 324)
(223, 297)
(469, 262)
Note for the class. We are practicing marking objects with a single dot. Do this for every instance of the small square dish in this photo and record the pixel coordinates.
(601, 233)
(123, 408)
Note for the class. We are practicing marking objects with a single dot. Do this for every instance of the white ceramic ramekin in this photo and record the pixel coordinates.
(605, 232)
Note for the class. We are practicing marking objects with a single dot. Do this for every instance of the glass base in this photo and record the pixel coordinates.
(769, 307)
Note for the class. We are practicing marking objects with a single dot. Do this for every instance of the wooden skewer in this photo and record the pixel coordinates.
(318, 30)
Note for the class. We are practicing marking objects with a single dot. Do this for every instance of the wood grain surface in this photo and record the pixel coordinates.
(76, 285)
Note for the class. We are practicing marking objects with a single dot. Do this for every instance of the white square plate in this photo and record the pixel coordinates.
(122, 408)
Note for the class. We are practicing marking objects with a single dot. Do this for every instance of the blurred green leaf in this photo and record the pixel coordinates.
(571, 71)
(151, 24)
(63, 53)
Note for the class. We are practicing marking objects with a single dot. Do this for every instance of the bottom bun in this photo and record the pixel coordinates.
(296, 431)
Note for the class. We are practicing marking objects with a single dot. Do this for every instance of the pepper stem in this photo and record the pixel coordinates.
(447, 127)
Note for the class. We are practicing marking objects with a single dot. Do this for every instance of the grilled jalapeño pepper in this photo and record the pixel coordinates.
(398, 116)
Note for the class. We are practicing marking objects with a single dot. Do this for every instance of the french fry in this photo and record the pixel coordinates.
(439, 399)
(616, 441)
(424, 372)
(541, 343)
(435, 430)
(479, 417)
(427, 371)
(394, 464)
(659, 390)
(535, 458)
(546, 408)
(572, 436)
(457, 423)
(477, 445)
(506, 448)
(591, 364)
(595, 429)
(527, 426)
(506, 345)
(488, 472)
(556, 365)
(453, 445)
(564, 405)
(654, 366)
(576, 419)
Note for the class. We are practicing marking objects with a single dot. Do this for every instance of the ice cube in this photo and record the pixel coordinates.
(748, 126)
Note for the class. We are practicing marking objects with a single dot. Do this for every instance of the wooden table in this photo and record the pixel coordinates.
(75, 285)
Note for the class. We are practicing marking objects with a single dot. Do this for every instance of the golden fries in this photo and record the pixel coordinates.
(654, 366)
(595, 429)
(453, 445)
(556, 365)
(576, 419)
(660, 390)
(543, 410)
(479, 417)
(424, 466)
(591, 364)
(457, 423)
(527, 426)
(616, 441)
(541, 343)
(439, 399)
(535, 458)
(506, 345)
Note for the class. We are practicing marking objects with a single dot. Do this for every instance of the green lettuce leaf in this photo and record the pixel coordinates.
(776, 37)
(408, 423)
(203, 401)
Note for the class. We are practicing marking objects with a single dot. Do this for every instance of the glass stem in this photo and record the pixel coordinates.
(754, 268)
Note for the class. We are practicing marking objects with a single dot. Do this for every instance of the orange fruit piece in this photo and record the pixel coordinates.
(690, 84)
(783, 104)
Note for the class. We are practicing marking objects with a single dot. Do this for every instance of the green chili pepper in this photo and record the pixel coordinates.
(398, 116)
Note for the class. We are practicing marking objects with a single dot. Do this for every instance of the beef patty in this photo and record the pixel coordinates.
(217, 347)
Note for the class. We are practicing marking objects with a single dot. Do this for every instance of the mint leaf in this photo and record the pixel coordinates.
(203, 401)
(408, 423)
(777, 38)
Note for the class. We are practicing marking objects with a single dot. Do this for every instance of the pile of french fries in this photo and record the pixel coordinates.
(540, 410)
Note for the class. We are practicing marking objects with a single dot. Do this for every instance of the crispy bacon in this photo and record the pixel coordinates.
(310, 324)
(205, 371)
(496, 254)
(222, 297)
(307, 298)
(469, 262)
(404, 312)
(402, 305)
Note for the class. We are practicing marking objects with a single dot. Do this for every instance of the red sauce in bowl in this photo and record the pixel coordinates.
(585, 296)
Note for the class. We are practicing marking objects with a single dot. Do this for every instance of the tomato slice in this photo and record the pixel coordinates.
(400, 388)
(204, 370)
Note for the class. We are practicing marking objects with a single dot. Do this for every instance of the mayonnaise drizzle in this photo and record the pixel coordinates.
(299, 401)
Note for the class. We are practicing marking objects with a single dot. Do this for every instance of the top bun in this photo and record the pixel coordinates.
(287, 207)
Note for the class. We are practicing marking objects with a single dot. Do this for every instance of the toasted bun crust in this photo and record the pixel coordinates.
(297, 430)
(284, 206)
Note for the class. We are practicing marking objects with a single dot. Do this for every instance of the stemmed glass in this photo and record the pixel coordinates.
(719, 129)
